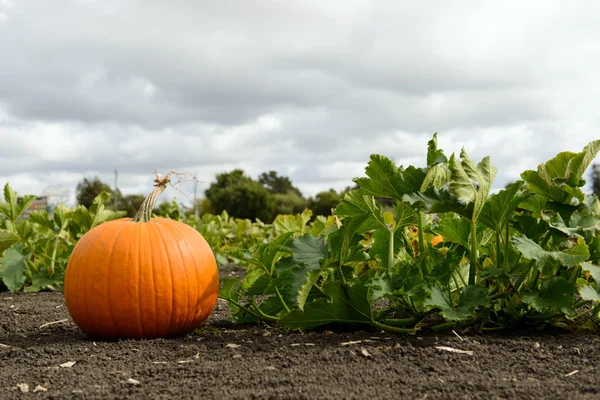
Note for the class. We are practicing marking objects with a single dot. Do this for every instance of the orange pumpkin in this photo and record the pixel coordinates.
(437, 239)
(142, 277)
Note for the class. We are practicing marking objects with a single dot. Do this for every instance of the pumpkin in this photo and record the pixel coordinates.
(437, 239)
(142, 277)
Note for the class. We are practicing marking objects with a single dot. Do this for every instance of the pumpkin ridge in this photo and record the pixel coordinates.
(79, 296)
(109, 278)
(153, 232)
(129, 263)
(86, 288)
(138, 247)
(175, 229)
(168, 257)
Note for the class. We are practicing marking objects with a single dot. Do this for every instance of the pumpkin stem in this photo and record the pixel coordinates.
(145, 212)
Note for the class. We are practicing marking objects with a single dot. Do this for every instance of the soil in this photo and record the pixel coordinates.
(39, 344)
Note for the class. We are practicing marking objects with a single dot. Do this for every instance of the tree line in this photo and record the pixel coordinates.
(243, 197)
(234, 192)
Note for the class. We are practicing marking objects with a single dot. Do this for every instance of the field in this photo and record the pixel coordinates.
(224, 360)
(421, 284)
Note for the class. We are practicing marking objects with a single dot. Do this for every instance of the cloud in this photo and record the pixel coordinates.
(309, 89)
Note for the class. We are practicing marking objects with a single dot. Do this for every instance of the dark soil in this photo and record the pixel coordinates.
(223, 361)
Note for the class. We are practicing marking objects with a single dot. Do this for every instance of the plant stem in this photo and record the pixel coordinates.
(144, 214)
(443, 327)
(247, 310)
(53, 259)
(574, 274)
(535, 279)
(285, 306)
(393, 329)
(391, 254)
(399, 321)
(473, 267)
(522, 277)
(421, 233)
(262, 314)
(506, 246)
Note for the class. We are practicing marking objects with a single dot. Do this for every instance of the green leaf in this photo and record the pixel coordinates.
(367, 214)
(42, 218)
(439, 201)
(266, 255)
(387, 180)
(547, 260)
(7, 239)
(405, 215)
(13, 268)
(435, 155)
(229, 289)
(255, 282)
(530, 226)
(500, 206)
(594, 270)
(343, 305)
(439, 299)
(297, 224)
(560, 178)
(308, 250)
(455, 230)
(43, 280)
(11, 208)
(535, 203)
(471, 183)
(555, 295)
(96, 215)
(472, 296)
(588, 293)
(296, 275)
(384, 178)
(582, 224)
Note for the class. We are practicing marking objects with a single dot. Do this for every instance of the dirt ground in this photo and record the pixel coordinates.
(44, 355)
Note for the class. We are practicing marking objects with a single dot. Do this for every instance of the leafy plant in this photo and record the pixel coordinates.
(36, 250)
(526, 254)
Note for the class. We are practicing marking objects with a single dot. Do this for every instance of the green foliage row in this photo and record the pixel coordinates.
(234, 192)
(34, 252)
(526, 255)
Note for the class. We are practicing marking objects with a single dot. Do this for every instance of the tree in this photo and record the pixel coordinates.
(277, 184)
(288, 198)
(241, 197)
(324, 202)
(596, 179)
(131, 203)
(289, 203)
(88, 189)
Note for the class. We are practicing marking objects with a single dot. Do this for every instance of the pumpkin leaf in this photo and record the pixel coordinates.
(588, 293)
(297, 274)
(343, 304)
(456, 230)
(7, 239)
(297, 224)
(471, 183)
(13, 268)
(44, 279)
(12, 208)
(560, 179)
(547, 261)
(555, 295)
(500, 206)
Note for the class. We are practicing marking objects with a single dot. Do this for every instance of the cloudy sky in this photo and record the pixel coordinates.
(309, 88)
